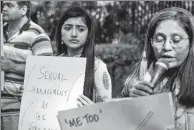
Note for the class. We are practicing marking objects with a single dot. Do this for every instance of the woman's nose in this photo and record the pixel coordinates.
(74, 32)
(167, 45)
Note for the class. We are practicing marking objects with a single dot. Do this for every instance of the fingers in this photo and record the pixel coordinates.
(79, 104)
(86, 99)
(141, 88)
(146, 83)
(146, 87)
(20, 98)
(140, 93)
(83, 100)
(136, 93)
(21, 89)
(19, 92)
(3, 64)
(3, 60)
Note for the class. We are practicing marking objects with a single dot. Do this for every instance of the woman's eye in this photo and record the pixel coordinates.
(81, 29)
(176, 39)
(67, 28)
(159, 39)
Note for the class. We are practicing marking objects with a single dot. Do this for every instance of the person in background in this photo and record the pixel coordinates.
(22, 38)
(75, 37)
(170, 37)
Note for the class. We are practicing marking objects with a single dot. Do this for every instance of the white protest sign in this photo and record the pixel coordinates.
(144, 113)
(51, 84)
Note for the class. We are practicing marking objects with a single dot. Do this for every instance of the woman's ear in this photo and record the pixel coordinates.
(24, 10)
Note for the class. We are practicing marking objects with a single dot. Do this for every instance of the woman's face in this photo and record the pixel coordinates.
(74, 32)
(171, 43)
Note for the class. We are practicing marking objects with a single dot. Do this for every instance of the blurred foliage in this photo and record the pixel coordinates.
(116, 21)
(120, 60)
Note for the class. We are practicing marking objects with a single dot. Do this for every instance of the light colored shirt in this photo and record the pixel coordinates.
(31, 40)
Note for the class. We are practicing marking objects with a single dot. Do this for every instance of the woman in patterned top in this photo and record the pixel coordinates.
(170, 37)
(75, 37)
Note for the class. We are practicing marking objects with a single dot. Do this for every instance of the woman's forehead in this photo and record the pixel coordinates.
(170, 26)
(75, 21)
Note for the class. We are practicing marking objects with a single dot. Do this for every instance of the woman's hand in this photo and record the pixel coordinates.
(141, 88)
(7, 65)
(20, 93)
(83, 100)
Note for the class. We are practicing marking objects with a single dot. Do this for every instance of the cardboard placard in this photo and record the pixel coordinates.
(51, 84)
(144, 113)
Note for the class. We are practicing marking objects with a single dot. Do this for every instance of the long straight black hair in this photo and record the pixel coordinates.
(88, 48)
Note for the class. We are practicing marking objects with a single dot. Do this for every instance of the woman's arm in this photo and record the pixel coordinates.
(103, 86)
(102, 81)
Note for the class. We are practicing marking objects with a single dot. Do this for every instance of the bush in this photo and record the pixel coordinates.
(120, 59)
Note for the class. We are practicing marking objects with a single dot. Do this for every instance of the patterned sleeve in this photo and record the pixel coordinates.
(102, 82)
(42, 45)
(125, 91)
(129, 81)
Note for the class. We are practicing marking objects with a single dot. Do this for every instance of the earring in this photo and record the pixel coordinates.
(62, 42)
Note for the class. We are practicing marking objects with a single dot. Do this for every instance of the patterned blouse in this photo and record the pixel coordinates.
(184, 117)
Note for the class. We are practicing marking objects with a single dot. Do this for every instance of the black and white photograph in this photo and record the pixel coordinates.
(90, 65)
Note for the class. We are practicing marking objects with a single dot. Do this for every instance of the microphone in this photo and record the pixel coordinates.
(161, 66)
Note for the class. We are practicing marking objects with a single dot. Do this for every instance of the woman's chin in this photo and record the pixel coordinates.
(169, 59)
(173, 65)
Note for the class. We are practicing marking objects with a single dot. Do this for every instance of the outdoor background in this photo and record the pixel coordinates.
(121, 27)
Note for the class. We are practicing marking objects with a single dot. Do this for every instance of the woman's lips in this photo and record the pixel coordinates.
(166, 56)
(74, 41)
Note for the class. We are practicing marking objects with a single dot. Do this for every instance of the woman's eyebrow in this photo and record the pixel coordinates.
(177, 34)
(67, 24)
(159, 33)
(83, 26)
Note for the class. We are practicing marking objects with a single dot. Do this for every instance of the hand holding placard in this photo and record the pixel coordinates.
(82, 100)
(144, 113)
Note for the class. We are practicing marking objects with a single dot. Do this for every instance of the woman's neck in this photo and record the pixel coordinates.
(171, 72)
(74, 52)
